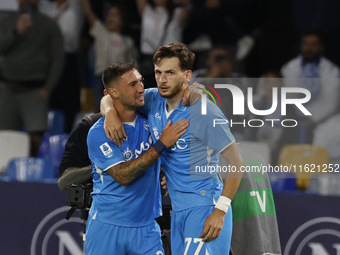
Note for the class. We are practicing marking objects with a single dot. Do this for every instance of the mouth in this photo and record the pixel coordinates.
(141, 97)
(163, 88)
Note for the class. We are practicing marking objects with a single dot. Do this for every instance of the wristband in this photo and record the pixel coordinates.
(159, 147)
(223, 204)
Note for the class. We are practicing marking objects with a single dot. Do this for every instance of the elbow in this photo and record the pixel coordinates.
(123, 182)
(121, 173)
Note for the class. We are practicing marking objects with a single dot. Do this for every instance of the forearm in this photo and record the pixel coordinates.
(106, 105)
(91, 17)
(127, 172)
(231, 185)
(233, 179)
(74, 175)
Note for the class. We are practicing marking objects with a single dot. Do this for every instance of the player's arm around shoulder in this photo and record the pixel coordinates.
(126, 172)
(214, 223)
(113, 126)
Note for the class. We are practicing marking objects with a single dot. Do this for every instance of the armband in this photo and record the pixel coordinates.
(159, 147)
(223, 204)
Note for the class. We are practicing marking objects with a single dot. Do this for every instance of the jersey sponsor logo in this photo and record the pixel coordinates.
(158, 116)
(106, 149)
(146, 125)
(128, 154)
(144, 146)
(155, 132)
(180, 144)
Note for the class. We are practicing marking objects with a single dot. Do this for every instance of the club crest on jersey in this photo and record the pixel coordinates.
(146, 125)
(106, 149)
(155, 132)
(128, 154)
(158, 116)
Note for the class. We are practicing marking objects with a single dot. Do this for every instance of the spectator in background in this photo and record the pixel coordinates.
(75, 166)
(211, 18)
(66, 96)
(162, 23)
(320, 77)
(110, 44)
(32, 49)
(220, 69)
(220, 64)
(271, 132)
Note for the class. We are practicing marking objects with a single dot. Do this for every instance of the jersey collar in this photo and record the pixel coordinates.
(179, 107)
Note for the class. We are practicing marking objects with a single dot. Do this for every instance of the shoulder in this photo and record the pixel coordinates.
(148, 10)
(330, 66)
(152, 93)
(210, 107)
(97, 128)
(202, 121)
(293, 62)
(292, 65)
(98, 27)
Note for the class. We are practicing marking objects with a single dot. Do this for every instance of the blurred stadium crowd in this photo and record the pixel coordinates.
(265, 41)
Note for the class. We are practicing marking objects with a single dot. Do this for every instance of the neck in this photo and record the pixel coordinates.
(125, 114)
(174, 101)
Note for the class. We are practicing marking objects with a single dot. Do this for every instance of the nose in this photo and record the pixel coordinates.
(140, 87)
(162, 78)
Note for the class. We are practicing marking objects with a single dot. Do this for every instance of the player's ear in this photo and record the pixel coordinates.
(187, 75)
(113, 93)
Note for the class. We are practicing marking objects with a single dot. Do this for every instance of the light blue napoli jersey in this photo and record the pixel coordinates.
(133, 205)
(184, 163)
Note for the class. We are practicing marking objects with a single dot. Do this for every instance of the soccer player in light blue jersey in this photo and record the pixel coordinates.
(201, 221)
(126, 195)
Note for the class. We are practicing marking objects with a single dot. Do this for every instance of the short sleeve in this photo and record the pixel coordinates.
(103, 152)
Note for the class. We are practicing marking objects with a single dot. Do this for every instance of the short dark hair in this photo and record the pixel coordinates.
(114, 72)
(179, 50)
